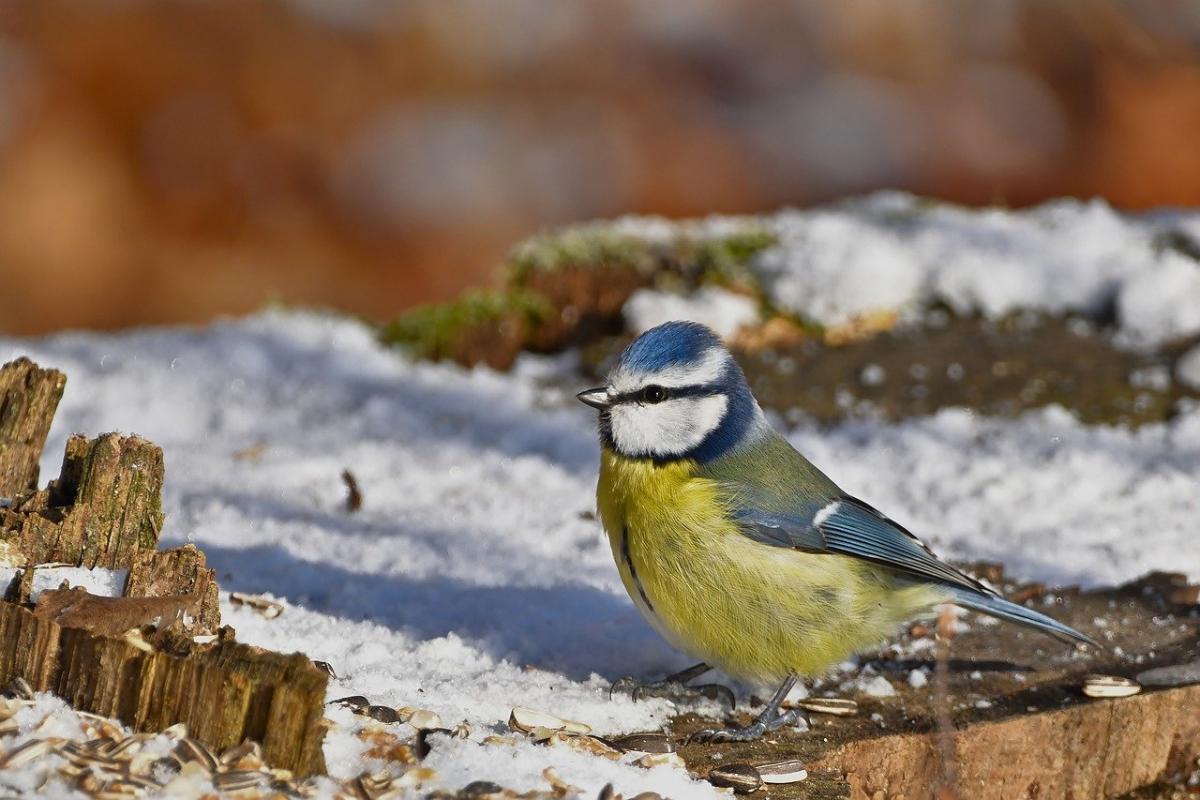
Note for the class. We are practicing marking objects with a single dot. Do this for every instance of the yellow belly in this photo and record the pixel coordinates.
(757, 612)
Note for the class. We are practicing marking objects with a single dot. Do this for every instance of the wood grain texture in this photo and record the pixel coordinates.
(103, 509)
(29, 397)
(224, 693)
(1094, 750)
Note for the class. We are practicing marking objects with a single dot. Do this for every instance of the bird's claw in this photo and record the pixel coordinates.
(674, 691)
(752, 732)
(749, 733)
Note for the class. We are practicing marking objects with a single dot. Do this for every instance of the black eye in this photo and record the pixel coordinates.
(654, 394)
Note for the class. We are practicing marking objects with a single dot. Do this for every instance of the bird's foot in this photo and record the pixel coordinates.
(672, 690)
(752, 732)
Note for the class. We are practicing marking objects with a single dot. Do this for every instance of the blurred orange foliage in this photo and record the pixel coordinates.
(169, 161)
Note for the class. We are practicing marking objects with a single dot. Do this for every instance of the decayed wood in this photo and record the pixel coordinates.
(224, 693)
(29, 397)
(182, 571)
(1100, 749)
(104, 508)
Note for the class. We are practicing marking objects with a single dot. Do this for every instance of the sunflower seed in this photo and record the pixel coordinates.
(355, 702)
(188, 750)
(790, 771)
(24, 753)
(240, 779)
(247, 749)
(385, 714)
(650, 742)
(1109, 686)
(526, 719)
(19, 688)
(268, 608)
(592, 745)
(829, 705)
(326, 667)
(742, 778)
(424, 719)
(660, 759)
(177, 731)
(1177, 675)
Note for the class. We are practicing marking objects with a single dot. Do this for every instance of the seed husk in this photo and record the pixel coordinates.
(836, 706)
(1176, 675)
(790, 771)
(326, 667)
(526, 720)
(355, 702)
(385, 714)
(190, 751)
(742, 778)
(247, 749)
(1109, 686)
(24, 753)
(649, 742)
(660, 759)
(238, 780)
(424, 719)
(268, 608)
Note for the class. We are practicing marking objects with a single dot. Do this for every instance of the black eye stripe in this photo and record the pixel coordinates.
(698, 390)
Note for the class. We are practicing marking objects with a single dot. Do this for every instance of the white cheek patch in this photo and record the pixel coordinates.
(702, 373)
(666, 429)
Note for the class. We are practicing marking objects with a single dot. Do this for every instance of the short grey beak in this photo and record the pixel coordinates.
(596, 398)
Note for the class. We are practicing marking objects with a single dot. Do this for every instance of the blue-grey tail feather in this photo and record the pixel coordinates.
(1011, 612)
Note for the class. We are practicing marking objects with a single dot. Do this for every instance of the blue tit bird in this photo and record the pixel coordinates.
(738, 550)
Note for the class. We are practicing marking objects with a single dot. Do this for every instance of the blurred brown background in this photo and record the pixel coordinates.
(165, 161)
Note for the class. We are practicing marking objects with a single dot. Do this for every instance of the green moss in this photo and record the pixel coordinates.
(432, 331)
(687, 258)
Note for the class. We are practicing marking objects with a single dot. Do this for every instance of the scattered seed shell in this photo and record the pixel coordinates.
(354, 702)
(526, 720)
(660, 759)
(24, 753)
(385, 714)
(650, 742)
(790, 771)
(836, 706)
(742, 778)
(268, 608)
(423, 719)
(1109, 686)
(499, 740)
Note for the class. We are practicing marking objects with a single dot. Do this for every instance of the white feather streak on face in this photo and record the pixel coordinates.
(707, 370)
(670, 428)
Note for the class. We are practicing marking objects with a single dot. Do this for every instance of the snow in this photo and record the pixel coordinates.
(1187, 368)
(99, 581)
(893, 251)
(475, 578)
(724, 312)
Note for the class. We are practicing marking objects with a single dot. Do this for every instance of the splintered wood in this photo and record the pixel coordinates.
(131, 657)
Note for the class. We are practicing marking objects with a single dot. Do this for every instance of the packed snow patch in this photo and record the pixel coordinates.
(474, 578)
(724, 312)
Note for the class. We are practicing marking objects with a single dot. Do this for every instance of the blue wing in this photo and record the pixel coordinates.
(848, 526)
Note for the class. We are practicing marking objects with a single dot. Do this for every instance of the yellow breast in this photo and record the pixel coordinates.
(757, 612)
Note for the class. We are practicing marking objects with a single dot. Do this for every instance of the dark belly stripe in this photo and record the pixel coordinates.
(632, 570)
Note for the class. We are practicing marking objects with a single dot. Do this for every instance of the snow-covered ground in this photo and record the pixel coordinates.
(474, 579)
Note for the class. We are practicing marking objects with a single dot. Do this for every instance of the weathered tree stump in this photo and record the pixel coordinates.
(105, 510)
(224, 692)
(102, 510)
(28, 399)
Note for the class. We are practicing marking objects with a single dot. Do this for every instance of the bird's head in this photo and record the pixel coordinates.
(675, 392)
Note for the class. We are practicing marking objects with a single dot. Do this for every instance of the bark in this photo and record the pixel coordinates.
(29, 397)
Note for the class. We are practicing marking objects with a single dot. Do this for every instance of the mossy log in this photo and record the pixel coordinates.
(29, 397)
(224, 693)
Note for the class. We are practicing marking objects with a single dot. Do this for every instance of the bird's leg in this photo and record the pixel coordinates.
(674, 688)
(769, 720)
